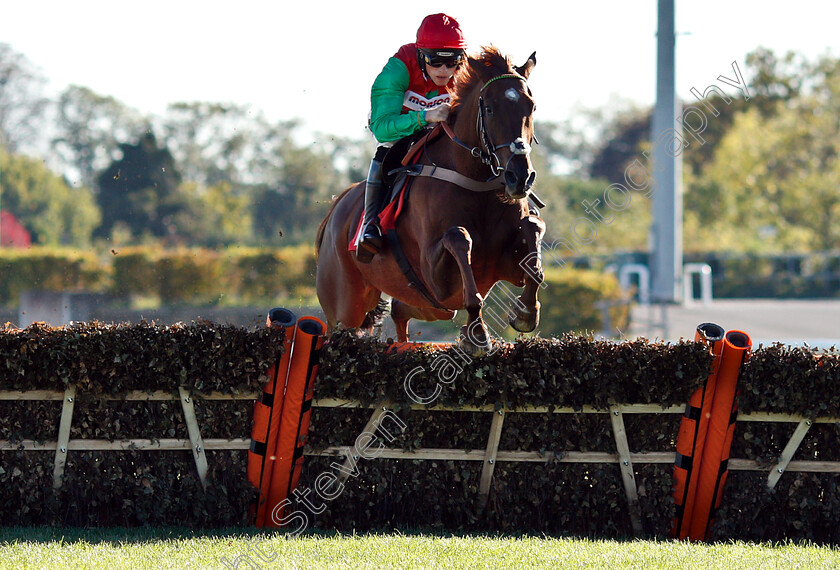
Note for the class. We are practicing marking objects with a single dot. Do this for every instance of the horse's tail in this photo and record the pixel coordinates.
(319, 237)
(375, 317)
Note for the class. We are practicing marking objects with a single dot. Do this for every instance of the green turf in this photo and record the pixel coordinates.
(23, 548)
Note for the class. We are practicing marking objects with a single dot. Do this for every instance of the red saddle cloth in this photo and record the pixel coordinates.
(387, 217)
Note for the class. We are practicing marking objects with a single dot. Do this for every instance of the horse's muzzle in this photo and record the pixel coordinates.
(519, 181)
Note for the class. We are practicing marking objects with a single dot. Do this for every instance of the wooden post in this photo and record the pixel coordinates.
(349, 452)
(63, 435)
(788, 453)
(197, 444)
(490, 452)
(626, 467)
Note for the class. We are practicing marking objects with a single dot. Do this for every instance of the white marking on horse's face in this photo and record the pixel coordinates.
(512, 94)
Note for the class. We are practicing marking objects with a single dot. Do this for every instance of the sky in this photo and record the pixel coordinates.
(315, 61)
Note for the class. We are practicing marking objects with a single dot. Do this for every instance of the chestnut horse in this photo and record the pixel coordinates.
(465, 225)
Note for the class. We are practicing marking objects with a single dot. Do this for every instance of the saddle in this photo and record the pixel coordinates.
(395, 177)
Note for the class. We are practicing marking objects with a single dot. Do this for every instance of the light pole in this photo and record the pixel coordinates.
(666, 231)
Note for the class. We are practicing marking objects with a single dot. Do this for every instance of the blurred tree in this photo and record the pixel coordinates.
(89, 128)
(772, 81)
(285, 186)
(140, 191)
(565, 184)
(214, 216)
(773, 183)
(53, 212)
(599, 143)
(595, 143)
(293, 207)
(565, 148)
(350, 157)
(624, 226)
(22, 104)
(217, 143)
(622, 143)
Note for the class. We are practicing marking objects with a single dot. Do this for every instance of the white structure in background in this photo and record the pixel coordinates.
(652, 317)
(643, 274)
(705, 272)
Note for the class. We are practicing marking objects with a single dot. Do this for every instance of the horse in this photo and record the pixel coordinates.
(466, 224)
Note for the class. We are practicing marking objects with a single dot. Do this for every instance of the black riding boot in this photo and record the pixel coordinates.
(371, 240)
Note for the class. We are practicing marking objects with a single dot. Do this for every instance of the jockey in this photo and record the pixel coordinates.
(410, 92)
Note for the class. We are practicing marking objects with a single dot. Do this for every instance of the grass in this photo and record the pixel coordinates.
(24, 548)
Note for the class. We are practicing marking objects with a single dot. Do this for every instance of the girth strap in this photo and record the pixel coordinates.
(447, 175)
(414, 280)
(495, 183)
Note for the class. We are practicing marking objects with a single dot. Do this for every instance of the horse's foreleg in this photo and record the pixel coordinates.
(401, 313)
(474, 337)
(525, 312)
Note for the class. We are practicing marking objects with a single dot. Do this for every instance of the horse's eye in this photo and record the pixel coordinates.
(489, 110)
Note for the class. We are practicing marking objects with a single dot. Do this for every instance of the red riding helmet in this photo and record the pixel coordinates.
(440, 31)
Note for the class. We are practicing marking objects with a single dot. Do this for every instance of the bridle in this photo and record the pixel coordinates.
(489, 156)
(487, 152)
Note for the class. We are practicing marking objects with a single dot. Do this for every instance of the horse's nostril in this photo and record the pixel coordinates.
(531, 178)
(510, 178)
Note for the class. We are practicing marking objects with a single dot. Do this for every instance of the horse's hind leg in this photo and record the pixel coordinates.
(359, 308)
(401, 313)
(346, 299)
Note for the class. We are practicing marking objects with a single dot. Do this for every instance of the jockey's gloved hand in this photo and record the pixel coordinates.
(438, 114)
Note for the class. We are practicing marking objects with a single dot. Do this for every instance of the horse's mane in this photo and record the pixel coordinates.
(479, 69)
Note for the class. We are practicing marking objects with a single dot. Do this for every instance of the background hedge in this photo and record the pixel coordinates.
(265, 276)
(173, 276)
(49, 270)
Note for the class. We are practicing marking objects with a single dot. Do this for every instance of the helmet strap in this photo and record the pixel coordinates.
(422, 63)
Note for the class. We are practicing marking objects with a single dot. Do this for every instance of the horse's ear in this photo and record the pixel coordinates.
(525, 70)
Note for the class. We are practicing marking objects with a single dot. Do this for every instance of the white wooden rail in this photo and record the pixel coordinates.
(489, 456)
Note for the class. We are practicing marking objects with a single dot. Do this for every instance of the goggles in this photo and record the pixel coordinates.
(438, 58)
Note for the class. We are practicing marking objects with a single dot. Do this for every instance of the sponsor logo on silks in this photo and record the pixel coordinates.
(416, 102)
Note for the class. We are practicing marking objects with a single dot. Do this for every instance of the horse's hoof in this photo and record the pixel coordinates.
(524, 321)
(472, 349)
(474, 340)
